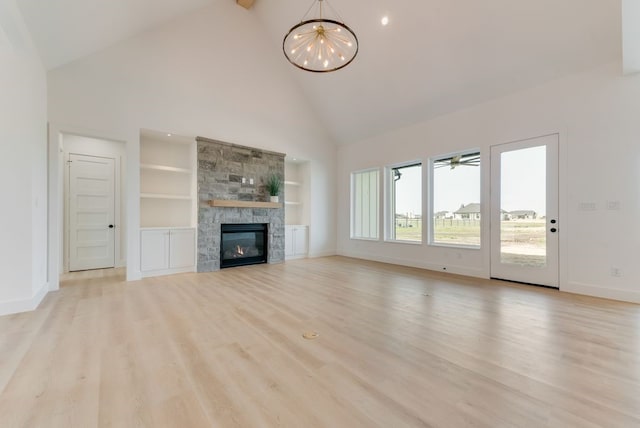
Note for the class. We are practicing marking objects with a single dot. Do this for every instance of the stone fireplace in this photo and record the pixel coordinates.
(233, 173)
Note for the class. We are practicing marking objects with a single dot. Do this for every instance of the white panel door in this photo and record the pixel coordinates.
(524, 211)
(182, 244)
(91, 212)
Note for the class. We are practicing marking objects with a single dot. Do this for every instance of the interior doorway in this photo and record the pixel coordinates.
(94, 206)
(524, 211)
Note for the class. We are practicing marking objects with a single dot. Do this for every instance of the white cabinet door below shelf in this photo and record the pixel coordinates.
(182, 248)
(300, 241)
(154, 250)
(288, 241)
(295, 241)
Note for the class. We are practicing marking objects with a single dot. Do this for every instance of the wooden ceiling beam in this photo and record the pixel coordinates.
(245, 3)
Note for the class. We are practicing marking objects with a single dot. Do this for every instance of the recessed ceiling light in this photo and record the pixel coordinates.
(385, 20)
(168, 135)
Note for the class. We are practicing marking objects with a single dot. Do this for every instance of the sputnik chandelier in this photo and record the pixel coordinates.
(320, 45)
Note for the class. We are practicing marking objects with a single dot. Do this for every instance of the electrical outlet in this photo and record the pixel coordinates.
(244, 180)
(251, 181)
(616, 271)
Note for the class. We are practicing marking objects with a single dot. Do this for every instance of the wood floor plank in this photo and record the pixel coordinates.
(397, 347)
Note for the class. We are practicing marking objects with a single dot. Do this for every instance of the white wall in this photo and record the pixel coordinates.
(596, 114)
(76, 144)
(23, 166)
(630, 36)
(197, 75)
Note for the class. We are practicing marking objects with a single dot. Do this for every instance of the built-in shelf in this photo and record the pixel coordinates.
(226, 203)
(166, 168)
(164, 196)
(168, 181)
(296, 179)
(168, 203)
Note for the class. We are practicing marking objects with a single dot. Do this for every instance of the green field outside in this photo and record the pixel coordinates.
(409, 229)
(456, 232)
(521, 239)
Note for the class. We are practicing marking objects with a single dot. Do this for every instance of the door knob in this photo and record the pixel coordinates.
(554, 230)
(111, 226)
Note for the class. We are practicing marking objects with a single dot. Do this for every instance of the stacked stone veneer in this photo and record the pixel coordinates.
(221, 167)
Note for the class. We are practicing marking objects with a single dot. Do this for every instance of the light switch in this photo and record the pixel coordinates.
(613, 205)
(587, 206)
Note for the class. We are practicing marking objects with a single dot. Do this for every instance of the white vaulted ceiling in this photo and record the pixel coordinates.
(434, 57)
(65, 30)
(437, 56)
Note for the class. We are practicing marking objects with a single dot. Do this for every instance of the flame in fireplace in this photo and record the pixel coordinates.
(239, 250)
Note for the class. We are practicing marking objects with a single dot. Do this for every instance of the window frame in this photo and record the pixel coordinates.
(352, 204)
(431, 195)
(389, 202)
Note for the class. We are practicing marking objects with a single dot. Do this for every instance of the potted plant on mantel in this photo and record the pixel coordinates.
(273, 187)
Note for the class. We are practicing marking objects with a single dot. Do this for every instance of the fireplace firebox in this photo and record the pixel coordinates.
(243, 244)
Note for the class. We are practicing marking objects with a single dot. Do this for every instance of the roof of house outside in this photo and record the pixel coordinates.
(471, 208)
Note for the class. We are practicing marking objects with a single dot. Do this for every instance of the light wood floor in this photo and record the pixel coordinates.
(398, 347)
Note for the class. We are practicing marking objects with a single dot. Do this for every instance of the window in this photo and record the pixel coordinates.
(405, 203)
(455, 203)
(364, 204)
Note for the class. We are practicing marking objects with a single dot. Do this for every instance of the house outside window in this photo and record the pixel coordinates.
(455, 209)
(469, 211)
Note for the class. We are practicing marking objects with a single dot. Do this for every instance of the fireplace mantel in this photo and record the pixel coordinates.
(227, 203)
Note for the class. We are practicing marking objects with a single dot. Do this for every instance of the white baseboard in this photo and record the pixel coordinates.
(603, 292)
(303, 256)
(24, 305)
(327, 253)
(163, 272)
(133, 275)
(448, 268)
